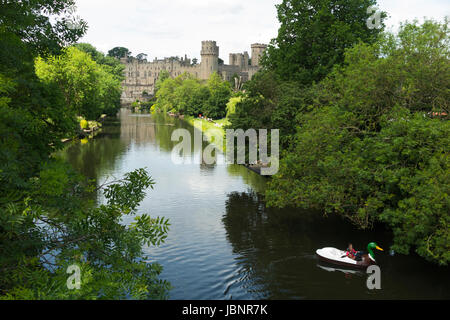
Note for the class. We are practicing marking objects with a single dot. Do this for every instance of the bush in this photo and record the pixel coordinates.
(188, 95)
(370, 150)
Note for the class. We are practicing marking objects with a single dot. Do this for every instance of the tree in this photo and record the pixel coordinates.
(166, 99)
(110, 64)
(163, 75)
(371, 150)
(47, 221)
(269, 103)
(187, 95)
(119, 52)
(220, 93)
(194, 61)
(314, 34)
(33, 118)
(141, 56)
(30, 22)
(91, 92)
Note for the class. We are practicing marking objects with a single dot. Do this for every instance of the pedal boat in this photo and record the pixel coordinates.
(339, 257)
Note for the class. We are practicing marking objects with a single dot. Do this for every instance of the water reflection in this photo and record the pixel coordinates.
(277, 261)
(224, 243)
(98, 156)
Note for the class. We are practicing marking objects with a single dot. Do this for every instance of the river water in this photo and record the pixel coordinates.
(224, 243)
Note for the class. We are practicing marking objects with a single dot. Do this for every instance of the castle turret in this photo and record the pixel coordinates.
(210, 59)
(257, 52)
(246, 58)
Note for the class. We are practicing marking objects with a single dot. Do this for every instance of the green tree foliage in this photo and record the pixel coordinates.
(46, 220)
(269, 103)
(314, 34)
(231, 105)
(88, 87)
(33, 116)
(141, 57)
(75, 231)
(220, 93)
(188, 95)
(110, 64)
(45, 26)
(119, 52)
(163, 75)
(375, 146)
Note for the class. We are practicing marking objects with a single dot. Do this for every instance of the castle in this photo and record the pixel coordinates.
(141, 75)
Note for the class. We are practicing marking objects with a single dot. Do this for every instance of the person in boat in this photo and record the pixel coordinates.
(351, 253)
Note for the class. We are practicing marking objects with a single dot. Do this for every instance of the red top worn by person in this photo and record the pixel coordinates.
(351, 253)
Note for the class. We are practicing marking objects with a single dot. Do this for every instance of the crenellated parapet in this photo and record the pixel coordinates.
(141, 75)
(209, 47)
(257, 52)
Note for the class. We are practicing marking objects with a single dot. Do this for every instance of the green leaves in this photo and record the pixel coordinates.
(130, 190)
(89, 88)
(153, 231)
(374, 147)
(313, 36)
(48, 217)
(187, 95)
(31, 22)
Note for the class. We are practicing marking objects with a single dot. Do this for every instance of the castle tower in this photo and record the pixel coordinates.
(246, 58)
(257, 51)
(210, 59)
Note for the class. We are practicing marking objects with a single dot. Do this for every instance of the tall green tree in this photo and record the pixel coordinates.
(111, 64)
(220, 94)
(375, 146)
(119, 52)
(47, 222)
(87, 87)
(314, 34)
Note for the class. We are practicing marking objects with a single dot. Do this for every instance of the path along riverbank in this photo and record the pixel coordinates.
(214, 129)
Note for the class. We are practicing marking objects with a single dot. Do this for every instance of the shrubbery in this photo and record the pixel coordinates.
(363, 124)
(190, 96)
(94, 91)
(368, 146)
(47, 221)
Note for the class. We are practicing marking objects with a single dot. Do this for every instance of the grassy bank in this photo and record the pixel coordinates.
(212, 130)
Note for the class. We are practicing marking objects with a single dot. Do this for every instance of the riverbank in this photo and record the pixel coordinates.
(224, 243)
(211, 129)
(215, 128)
(88, 129)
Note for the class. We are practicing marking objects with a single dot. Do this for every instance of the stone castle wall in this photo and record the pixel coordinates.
(141, 76)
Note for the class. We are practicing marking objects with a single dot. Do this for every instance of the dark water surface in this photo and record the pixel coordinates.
(224, 244)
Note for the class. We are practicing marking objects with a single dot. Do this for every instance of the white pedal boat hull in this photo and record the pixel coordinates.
(336, 256)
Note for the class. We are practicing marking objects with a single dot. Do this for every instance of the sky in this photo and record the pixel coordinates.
(163, 28)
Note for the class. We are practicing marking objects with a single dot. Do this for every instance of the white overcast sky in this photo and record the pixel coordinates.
(163, 28)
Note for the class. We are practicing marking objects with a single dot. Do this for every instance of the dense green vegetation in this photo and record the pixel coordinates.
(364, 129)
(89, 88)
(314, 35)
(187, 95)
(119, 52)
(47, 221)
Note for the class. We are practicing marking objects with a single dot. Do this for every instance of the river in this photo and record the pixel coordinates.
(224, 243)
